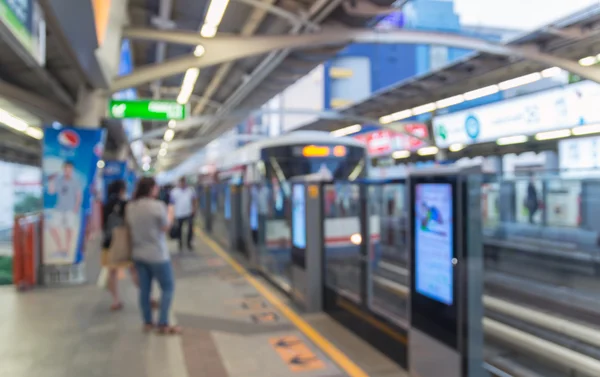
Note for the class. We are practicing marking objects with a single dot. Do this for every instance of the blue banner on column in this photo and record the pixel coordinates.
(114, 171)
(131, 182)
(69, 166)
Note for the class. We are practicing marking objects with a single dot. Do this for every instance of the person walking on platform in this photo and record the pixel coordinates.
(113, 215)
(149, 220)
(183, 198)
(531, 202)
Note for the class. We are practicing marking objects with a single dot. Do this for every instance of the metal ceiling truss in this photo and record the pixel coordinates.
(229, 48)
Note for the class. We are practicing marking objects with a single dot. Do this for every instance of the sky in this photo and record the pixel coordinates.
(516, 14)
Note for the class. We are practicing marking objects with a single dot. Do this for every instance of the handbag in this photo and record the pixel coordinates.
(175, 231)
(120, 245)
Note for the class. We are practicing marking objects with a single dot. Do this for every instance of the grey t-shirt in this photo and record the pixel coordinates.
(146, 219)
(67, 191)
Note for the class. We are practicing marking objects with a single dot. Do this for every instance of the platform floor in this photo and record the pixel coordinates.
(235, 326)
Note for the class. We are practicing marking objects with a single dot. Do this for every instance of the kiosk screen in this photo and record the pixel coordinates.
(434, 241)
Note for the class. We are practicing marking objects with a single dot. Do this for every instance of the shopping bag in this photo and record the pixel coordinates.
(175, 231)
(120, 245)
(102, 282)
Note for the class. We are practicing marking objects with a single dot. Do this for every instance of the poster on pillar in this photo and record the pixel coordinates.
(114, 171)
(69, 166)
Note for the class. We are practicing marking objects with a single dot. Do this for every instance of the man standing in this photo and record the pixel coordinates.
(183, 198)
(66, 212)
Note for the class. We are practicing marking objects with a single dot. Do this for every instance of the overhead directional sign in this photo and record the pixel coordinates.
(146, 109)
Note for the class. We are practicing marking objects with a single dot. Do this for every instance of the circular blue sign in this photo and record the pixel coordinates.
(472, 126)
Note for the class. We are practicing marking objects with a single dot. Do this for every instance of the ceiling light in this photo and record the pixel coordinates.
(482, 92)
(427, 151)
(586, 130)
(520, 81)
(213, 18)
(35, 133)
(549, 135)
(172, 124)
(456, 147)
(588, 60)
(100, 164)
(424, 109)
(187, 87)
(162, 152)
(199, 51)
(169, 135)
(12, 121)
(517, 139)
(395, 116)
(164, 145)
(551, 72)
(146, 167)
(400, 154)
(450, 101)
(346, 131)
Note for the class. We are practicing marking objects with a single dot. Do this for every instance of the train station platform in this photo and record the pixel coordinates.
(235, 325)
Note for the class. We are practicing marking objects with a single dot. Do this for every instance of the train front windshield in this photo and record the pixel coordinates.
(330, 162)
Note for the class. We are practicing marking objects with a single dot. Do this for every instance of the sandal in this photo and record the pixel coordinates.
(116, 307)
(169, 330)
(148, 327)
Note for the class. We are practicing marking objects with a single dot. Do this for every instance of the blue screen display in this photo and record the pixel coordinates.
(227, 202)
(298, 217)
(434, 247)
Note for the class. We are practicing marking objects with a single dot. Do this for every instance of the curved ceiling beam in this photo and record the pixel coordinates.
(293, 19)
(229, 48)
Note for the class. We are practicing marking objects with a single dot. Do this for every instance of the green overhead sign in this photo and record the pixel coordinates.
(146, 109)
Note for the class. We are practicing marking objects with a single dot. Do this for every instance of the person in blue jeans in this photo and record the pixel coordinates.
(149, 220)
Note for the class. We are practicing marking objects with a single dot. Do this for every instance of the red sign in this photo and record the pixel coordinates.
(386, 141)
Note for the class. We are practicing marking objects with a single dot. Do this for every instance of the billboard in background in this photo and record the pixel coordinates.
(25, 20)
(69, 166)
(553, 109)
(384, 142)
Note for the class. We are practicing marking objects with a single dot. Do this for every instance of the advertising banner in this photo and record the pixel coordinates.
(563, 107)
(114, 171)
(384, 142)
(69, 166)
(25, 20)
(131, 180)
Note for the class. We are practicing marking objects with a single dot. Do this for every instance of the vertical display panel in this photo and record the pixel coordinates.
(434, 247)
(298, 224)
(434, 280)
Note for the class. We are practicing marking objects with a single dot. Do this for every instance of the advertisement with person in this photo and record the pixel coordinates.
(69, 166)
(114, 171)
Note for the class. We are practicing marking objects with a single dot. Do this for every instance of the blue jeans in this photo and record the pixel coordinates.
(163, 272)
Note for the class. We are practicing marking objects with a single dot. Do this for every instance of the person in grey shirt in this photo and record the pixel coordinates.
(68, 193)
(149, 219)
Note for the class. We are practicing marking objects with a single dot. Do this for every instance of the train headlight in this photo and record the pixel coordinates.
(356, 238)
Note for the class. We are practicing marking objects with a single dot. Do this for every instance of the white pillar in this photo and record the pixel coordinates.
(90, 108)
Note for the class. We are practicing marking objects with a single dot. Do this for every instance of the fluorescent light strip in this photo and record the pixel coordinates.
(519, 81)
(346, 130)
(588, 60)
(187, 87)
(517, 139)
(400, 154)
(162, 152)
(586, 130)
(482, 92)
(549, 135)
(427, 151)
(551, 72)
(172, 124)
(35, 132)
(169, 135)
(455, 100)
(424, 109)
(12, 121)
(456, 147)
(213, 18)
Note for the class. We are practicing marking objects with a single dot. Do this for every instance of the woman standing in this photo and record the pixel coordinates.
(113, 215)
(149, 220)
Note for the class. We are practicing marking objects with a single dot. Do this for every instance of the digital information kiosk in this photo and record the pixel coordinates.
(307, 246)
(446, 312)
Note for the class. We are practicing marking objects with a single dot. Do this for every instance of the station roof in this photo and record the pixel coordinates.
(572, 37)
(216, 85)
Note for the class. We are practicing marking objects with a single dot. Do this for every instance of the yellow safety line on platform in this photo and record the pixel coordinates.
(319, 340)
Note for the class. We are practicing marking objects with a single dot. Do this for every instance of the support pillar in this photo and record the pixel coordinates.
(90, 108)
